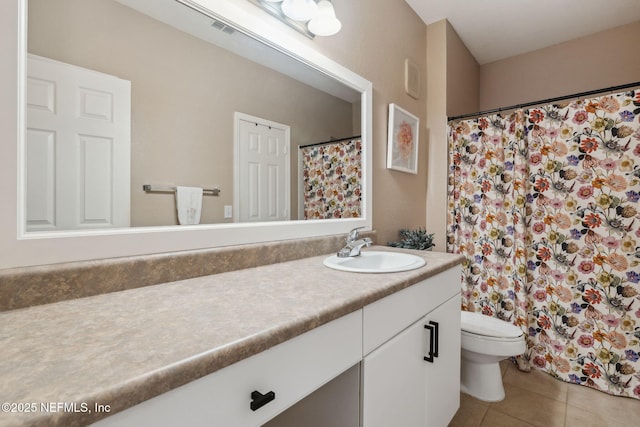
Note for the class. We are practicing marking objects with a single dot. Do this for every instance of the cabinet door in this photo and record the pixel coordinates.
(443, 374)
(393, 381)
(400, 387)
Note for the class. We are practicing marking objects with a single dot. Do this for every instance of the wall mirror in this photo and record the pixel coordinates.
(127, 95)
(173, 57)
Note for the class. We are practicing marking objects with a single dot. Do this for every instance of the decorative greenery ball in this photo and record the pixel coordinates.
(414, 239)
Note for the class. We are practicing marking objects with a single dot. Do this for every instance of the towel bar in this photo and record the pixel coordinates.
(172, 189)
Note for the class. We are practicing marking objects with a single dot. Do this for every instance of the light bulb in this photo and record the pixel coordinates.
(300, 10)
(325, 22)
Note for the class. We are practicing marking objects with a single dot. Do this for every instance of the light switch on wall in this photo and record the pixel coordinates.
(228, 211)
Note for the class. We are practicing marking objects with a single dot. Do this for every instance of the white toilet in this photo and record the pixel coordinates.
(485, 342)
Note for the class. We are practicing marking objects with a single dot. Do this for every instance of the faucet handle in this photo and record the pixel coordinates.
(354, 234)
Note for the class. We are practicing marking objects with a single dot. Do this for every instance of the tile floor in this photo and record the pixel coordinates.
(537, 399)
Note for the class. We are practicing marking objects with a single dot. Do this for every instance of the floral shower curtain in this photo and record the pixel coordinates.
(544, 205)
(332, 174)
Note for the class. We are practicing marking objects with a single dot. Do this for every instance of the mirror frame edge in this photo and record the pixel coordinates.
(21, 249)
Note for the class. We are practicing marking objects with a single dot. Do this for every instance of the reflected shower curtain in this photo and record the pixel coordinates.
(544, 205)
(331, 178)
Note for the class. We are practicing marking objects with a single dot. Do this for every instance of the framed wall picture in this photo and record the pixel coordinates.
(402, 141)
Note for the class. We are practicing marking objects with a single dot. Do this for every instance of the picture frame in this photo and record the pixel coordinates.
(402, 140)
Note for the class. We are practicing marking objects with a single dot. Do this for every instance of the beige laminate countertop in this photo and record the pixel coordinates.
(122, 348)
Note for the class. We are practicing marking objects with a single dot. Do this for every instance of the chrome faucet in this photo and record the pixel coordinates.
(354, 245)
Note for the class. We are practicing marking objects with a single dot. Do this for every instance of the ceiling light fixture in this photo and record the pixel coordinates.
(310, 17)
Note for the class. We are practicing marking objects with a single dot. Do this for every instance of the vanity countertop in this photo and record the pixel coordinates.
(122, 348)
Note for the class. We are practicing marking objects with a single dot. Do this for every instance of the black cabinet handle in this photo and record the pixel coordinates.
(432, 327)
(436, 339)
(258, 400)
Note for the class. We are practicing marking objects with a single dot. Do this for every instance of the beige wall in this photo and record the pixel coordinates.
(437, 131)
(463, 76)
(452, 85)
(376, 38)
(593, 62)
(182, 115)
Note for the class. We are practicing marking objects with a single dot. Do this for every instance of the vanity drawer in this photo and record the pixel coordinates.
(291, 370)
(385, 318)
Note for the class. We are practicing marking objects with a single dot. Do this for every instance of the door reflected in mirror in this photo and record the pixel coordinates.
(126, 93)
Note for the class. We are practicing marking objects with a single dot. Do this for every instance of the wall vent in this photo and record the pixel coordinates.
(222, 27)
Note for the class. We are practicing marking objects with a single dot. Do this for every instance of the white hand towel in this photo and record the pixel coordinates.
(189, 204)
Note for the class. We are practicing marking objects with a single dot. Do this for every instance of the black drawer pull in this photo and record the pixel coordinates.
(436, 339)
(433, 341)
(258, 400)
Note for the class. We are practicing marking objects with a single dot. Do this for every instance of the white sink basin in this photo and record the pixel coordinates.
(375, 262)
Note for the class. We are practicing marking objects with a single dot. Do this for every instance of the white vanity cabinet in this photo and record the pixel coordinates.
(290, 371)
(411, 367)
(397, 386)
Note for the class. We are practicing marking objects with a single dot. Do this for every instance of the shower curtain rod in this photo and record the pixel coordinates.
(329, 142)
(545, 101)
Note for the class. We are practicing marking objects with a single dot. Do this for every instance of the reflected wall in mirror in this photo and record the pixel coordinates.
(184, 90)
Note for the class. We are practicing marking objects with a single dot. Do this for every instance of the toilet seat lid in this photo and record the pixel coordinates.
(480, 324)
